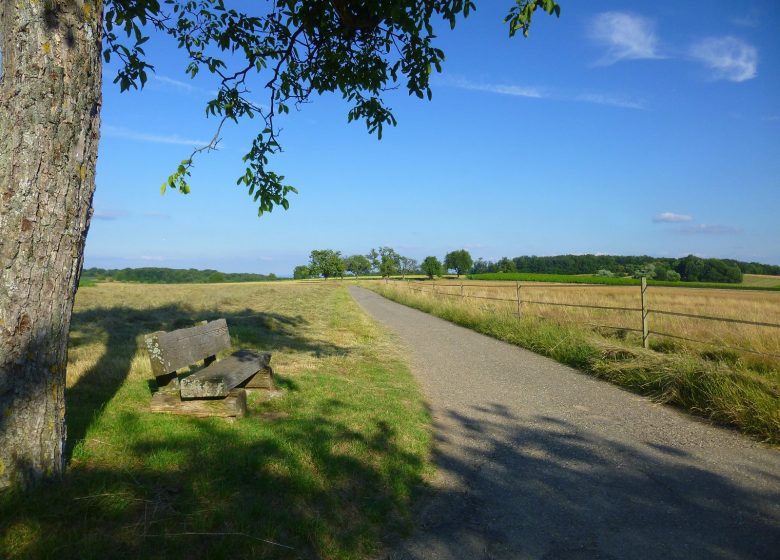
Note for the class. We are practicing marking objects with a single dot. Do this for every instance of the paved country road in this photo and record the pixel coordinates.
(537, 460)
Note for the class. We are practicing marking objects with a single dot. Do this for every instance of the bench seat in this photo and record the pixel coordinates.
(219, 378)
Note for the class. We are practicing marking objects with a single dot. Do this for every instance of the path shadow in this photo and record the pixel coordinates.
(545, 488)
(122, 328)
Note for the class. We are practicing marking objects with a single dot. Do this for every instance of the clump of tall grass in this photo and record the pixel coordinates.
(723, 390)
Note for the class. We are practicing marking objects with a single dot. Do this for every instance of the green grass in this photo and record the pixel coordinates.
(718, 387)
(761, 281)
(328, 469)
(576, 279)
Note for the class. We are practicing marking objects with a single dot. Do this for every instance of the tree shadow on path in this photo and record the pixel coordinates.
(541, 487)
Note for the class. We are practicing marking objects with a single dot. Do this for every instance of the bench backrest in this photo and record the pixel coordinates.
(169, 351)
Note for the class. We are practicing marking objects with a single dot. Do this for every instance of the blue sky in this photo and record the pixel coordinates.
(622, 128)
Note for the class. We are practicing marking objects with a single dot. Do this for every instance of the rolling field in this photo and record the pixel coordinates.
(730, 386)
(324, 471)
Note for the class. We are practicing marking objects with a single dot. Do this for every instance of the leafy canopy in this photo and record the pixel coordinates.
(357, 264)
(291, 49)
(459, 261)
(326, 263)
(431, 266)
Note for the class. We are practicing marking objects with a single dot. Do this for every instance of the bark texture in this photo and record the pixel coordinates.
(49, 126)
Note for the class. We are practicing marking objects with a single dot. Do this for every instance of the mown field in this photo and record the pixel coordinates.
(736, 388)
(326, 470)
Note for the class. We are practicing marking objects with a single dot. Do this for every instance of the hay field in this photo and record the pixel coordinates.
(553, 301)
(738, 389)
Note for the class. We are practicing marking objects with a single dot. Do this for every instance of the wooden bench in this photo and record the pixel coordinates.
(218, 389)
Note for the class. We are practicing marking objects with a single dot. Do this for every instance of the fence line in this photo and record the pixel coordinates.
(709, 318)
(644, 309)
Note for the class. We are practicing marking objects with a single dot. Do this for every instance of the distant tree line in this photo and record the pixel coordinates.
(687, 269)
(382, 261)
(385, 261)
(152, 275)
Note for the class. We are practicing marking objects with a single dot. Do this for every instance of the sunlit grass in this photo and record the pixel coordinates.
(327, 469)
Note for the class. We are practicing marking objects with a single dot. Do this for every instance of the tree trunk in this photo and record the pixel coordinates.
(49, 126)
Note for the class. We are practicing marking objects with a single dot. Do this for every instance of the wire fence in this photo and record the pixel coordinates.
(519, 299)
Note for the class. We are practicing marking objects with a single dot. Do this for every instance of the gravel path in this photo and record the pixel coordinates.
(536, 460)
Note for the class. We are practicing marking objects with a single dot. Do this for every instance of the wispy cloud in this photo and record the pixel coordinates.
(751, 18)
(709, 229)
(172, 84)
(126, 133)
(543, 93)
(155, 258)
(671, 217)
(157, 215)
(611, 100)
(626, 37)
(728, 58)
(503, 89)
(108, 214)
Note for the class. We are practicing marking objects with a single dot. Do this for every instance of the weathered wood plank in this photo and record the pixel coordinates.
(263, 379)
(169, 351)
(234, 404)
(222, 376)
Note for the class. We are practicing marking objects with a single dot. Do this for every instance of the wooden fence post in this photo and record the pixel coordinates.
(461, 291)
(645, 313)
(517, 295)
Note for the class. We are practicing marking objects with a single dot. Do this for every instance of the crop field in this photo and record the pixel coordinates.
(750, 281)
(715, 379)
(560, 303)
(761, 281)
(326, 470)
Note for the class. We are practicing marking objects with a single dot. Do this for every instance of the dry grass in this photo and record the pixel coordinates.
(725, 387)
(731, 304)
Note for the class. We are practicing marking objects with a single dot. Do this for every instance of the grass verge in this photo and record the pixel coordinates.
(720, 390)
(327, 470)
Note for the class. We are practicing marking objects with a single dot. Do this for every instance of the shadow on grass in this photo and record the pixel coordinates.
(293, 489)
(545, 488)
(121, 329)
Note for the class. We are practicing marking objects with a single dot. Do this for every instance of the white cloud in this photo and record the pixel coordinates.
(171, 84)
(710, 229)
(540, 93)
(108, 214)
(671, 217)
(611, 100)
(728, 58)
(517, 91)
(120, 132)
(155, 258)
(750, 18)
(626, 36)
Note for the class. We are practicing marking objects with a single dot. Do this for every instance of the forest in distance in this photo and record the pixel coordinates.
(387, 262)
(690, 269)
(158, 275)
